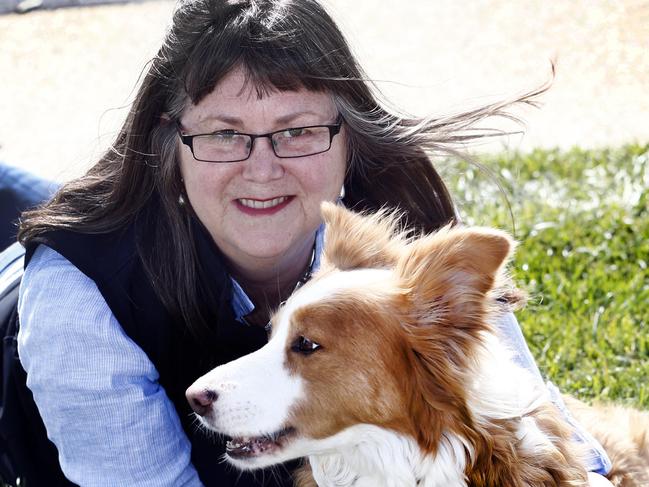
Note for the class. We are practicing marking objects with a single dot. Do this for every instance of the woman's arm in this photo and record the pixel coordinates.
(510, 332)
(96, 390)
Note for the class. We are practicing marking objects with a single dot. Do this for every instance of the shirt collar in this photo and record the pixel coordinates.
(241, 303)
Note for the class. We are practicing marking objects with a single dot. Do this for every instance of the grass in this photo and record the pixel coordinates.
(582, 222)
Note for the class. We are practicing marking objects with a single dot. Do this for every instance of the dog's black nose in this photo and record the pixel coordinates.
(201, 399)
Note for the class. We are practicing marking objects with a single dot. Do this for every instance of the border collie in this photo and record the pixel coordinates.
(384, 370)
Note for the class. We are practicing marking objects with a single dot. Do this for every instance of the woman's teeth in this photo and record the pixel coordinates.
(260, 205)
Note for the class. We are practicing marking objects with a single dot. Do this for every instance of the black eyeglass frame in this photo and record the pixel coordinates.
(188, 140)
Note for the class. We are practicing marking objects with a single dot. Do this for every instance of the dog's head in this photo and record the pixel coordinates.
(386, 333)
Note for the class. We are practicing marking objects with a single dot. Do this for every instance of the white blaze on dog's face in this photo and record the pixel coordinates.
(253, 393)
(316, 376)
(383, 335)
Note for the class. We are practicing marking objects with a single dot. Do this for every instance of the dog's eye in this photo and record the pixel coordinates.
(304, 346)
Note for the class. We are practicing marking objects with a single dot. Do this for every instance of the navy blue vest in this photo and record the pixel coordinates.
(112, 262)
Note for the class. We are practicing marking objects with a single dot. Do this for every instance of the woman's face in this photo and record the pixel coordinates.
(264, 210)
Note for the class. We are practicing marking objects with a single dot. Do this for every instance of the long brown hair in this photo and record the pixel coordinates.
(282, 45)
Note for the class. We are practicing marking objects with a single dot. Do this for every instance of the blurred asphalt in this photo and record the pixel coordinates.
(24, 6)
(67, 74)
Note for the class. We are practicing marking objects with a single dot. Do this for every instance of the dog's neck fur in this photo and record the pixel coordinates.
(383, 458)
(367, 455)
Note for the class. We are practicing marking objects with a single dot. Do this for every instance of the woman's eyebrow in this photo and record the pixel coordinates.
(284, 120)
(220, 118)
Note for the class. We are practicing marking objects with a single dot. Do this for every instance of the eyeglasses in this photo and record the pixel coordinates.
(233, 146)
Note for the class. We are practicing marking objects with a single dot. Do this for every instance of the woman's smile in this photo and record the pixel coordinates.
(260, 207)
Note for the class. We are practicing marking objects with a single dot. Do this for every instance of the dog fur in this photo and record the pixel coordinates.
(384, 370)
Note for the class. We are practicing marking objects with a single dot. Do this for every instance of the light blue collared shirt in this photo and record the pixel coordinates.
(98, 392)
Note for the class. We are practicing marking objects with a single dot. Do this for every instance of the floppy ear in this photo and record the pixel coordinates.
(354, 240)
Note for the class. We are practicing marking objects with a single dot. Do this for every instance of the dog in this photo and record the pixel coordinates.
(384, 370)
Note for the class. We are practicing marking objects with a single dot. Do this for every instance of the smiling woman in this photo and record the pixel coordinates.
(168, 256)
(262, 212)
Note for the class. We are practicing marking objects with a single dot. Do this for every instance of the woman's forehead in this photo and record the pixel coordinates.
(237, 97)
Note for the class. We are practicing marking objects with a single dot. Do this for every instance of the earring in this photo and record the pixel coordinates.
(341, 196)
(181, 198)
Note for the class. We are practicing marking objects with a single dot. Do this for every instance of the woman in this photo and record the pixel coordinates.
(167, 257)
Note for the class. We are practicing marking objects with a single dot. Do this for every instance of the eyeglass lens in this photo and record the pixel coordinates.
(227, 146)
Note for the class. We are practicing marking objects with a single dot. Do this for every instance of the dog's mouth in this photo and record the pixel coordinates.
(255, 446)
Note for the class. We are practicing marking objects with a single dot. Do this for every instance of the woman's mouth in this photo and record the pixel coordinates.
(253, 206)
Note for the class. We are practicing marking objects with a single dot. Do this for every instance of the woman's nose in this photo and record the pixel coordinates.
(263, 165)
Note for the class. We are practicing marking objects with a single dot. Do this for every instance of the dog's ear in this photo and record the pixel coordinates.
(445, 280)
(354, 240)
(455, 265)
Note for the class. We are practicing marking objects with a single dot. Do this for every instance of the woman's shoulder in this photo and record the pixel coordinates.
(66, 267)
(99, 256)
(54, 295)
(52, 272)
(48, 268)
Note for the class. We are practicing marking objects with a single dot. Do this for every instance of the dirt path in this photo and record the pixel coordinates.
(65, 73)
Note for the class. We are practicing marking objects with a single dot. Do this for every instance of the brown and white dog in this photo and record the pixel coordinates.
(383, 370)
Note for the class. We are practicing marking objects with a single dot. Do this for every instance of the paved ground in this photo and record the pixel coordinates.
(67, 74)
(24, 6)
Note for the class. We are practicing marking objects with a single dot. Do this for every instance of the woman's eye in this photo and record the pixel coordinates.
(290, 133)
(226, 134)
(304, 346)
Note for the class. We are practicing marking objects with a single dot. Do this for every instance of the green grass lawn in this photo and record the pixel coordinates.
(582, 222)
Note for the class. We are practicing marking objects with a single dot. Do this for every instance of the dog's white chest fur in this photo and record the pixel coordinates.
(382, 458)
